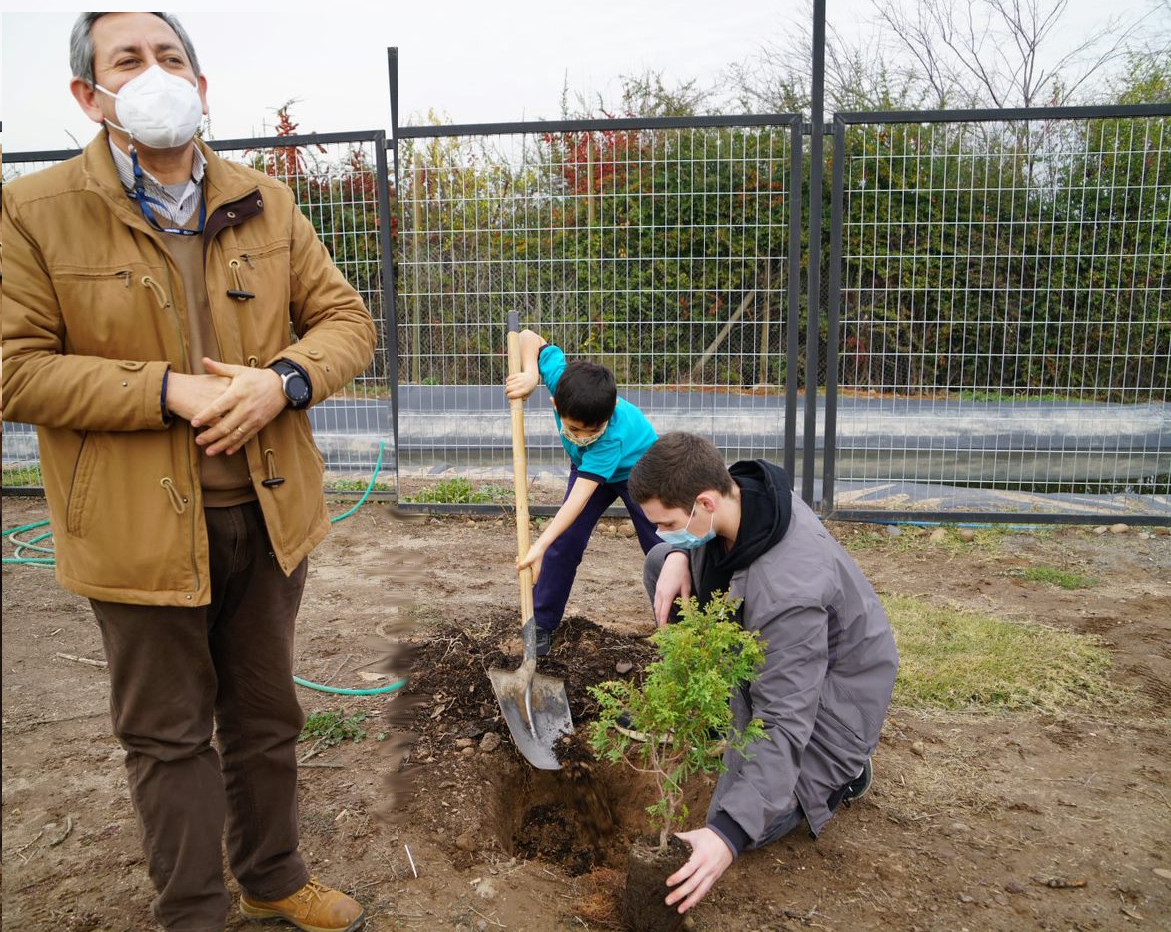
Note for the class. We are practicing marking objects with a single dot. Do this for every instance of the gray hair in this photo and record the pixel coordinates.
(81, 44)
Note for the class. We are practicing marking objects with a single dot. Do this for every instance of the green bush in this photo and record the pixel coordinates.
(460, 491)
(681, 716)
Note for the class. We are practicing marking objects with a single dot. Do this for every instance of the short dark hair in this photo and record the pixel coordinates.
(676, 468)
(81, 44)
(586, 392)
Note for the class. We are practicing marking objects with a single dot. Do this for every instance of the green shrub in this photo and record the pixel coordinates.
(333, 726)
(460, 491)
(681, 712)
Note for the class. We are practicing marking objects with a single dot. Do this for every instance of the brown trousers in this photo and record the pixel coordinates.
(176, 671)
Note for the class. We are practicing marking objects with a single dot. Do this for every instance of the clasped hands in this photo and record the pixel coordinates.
(231, 402)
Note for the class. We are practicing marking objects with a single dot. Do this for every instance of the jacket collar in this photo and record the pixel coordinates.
(101, 176)
(224, 186)
(223, 182)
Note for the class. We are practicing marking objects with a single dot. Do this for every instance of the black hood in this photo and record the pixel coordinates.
(766, 506)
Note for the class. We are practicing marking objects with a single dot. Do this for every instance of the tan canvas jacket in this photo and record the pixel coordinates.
(94, 314)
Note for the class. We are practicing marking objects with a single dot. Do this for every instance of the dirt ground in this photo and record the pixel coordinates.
(992, 822)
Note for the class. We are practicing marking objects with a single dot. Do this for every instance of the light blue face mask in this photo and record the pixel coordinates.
(684, 538)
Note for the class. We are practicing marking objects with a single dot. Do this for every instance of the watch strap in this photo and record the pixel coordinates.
(286, 369)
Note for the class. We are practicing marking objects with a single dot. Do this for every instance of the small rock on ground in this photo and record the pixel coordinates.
(490, 742)
(466, 842)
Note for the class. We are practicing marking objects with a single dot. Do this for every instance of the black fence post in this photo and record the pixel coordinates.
(831, 343)
(813, 277)
(389, 282)
(793, 330)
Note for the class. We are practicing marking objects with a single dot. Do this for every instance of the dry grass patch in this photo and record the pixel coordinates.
(958, 660)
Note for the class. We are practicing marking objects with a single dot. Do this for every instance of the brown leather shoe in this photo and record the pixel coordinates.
(314, 908)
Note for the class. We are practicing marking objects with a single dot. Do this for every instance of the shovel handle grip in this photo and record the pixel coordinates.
(520, 470)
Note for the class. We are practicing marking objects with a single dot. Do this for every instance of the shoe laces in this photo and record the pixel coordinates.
(312, 890)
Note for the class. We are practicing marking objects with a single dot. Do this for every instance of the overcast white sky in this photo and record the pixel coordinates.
(469, 61)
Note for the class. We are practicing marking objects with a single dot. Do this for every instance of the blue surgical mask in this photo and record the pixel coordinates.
(684, 538)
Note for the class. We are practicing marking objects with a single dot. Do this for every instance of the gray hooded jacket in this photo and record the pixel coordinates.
(823, 692)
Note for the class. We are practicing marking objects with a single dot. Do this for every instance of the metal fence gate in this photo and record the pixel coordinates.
(999, 323)
(665, 249)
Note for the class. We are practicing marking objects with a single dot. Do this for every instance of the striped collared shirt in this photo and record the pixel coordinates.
(180, 201)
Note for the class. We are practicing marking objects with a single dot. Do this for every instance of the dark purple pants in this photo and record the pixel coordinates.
(174, 672)
(559, 566)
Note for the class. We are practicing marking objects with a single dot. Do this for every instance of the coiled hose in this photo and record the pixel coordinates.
(33, 545)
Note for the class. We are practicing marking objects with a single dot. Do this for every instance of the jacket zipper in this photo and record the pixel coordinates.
(125, 274)
(191, 477)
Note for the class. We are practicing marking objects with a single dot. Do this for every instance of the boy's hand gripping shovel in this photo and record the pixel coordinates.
(535, 706)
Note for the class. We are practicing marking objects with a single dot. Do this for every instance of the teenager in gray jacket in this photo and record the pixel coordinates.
(830, 657)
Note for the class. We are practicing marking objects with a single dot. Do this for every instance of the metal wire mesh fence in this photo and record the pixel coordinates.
(659, 248)
(998, 339)
(341, 184)
(1002, 312)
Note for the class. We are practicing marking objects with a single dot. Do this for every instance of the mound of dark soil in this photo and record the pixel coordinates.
(449, 676)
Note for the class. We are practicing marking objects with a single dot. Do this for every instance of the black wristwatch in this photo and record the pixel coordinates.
(293, 380)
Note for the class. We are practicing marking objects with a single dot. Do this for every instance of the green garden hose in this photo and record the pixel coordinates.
(22, 545)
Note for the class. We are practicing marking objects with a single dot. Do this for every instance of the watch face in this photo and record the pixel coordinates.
(297, 389)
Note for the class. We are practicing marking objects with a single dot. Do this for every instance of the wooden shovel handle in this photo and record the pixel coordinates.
(520, 470)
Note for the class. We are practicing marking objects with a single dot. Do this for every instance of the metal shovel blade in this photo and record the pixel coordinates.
(537, 711)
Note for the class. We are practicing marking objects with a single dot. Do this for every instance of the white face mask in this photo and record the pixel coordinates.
(158, 109)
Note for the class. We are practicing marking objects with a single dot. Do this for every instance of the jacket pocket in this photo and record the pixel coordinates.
(845, 731)
(255, 279)
(131, 536)
(78, 510)
(113, 313)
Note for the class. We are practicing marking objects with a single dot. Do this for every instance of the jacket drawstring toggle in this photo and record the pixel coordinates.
(157, 290)
(177, 501)
(273, 480)
(240, 293)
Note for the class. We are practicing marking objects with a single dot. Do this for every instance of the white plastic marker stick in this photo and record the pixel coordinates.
(412, 860)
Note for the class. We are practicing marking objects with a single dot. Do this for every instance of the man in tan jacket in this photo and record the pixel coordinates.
(150, 288)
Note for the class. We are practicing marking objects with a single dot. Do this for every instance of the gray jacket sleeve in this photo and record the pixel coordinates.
(759, 787)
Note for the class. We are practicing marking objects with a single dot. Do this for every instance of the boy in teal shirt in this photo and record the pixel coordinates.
(604, 436)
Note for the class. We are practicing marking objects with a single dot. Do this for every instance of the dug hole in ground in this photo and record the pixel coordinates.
(1040, 819)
